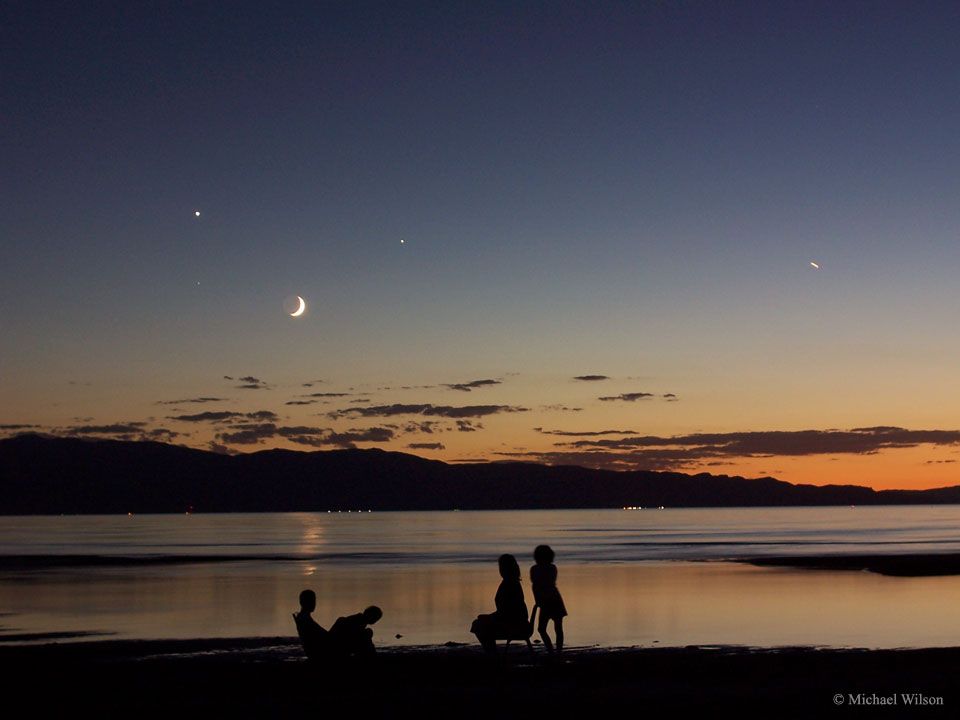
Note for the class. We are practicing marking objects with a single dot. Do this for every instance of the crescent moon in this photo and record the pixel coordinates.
(299, 311)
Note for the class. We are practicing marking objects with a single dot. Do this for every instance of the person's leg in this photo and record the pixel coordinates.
(366, 647)
(558, 627)
(485, 632)
(542, 629)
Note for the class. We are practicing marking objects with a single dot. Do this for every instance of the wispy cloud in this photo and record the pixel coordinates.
(448, 411)
(591, 378)
(627, 397)
(584, 433)
(426, 446)
(191, 400)
(559, 408)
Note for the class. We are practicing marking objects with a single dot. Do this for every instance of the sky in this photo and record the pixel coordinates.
(556, 232)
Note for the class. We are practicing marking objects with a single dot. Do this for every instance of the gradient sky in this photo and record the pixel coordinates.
(629, 190)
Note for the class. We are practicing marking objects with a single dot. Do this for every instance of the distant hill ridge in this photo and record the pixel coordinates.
(45, 475)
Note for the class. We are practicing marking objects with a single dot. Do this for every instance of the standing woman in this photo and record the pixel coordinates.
(543, 578)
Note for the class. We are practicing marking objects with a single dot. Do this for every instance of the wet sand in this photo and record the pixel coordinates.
(262, 677)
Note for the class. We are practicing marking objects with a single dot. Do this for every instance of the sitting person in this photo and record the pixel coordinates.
(509, 621)
(351, 636)
(316, 640)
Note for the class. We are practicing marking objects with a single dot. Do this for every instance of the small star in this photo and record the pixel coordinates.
(196, 213)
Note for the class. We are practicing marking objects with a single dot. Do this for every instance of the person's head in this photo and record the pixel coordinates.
(509, 569)
(543, 554)
(372, 614)
(308, 601)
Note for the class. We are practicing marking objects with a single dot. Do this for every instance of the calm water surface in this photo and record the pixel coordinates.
(628, 577)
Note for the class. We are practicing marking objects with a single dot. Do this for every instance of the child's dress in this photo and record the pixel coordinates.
(543, 578)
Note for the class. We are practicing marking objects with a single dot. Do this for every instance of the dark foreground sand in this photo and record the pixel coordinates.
(268, 677)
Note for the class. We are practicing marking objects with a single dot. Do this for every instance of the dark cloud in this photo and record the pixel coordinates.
(374, 434)
(319, 438)
(249, 382)
(162, 434)
(668, 395)
(585, 433)
(299, 402)
(655, 452)
(799, 442)
(255, 433)
(469, 426)
(120, 431)
(248, 433)
(425, 426)
(326, 395)
(222, 415)
(262, 415)
(114, 429)
(591, 378)
(426, 446)
(191, 400)
(605, 460)
(17, 427)
(218, 416)
(468, 411)
(468, 386)
(220, 449)
(628, 397)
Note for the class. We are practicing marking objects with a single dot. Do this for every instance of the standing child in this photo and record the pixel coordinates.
(543, 578)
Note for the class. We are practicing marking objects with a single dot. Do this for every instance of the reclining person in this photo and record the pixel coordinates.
(315, 639)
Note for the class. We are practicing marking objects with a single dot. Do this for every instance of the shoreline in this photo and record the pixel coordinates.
(892, 565)
(252, 677)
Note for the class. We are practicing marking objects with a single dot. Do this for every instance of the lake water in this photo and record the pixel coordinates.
(640, 577)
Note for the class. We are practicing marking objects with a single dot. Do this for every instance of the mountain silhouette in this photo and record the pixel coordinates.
(46, 475)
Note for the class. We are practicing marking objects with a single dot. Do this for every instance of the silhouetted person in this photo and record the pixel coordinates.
(316, 640)
(510, 621)
(543, 580)
(351, 636)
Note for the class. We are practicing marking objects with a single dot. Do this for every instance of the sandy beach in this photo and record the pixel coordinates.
(257, 677)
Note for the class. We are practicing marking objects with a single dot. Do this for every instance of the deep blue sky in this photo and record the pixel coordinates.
(633, 189)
